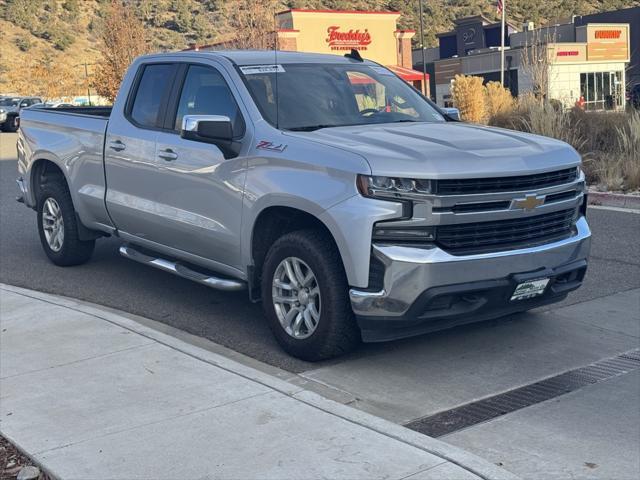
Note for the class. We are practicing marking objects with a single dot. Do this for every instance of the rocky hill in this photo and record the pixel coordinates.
(65, 33)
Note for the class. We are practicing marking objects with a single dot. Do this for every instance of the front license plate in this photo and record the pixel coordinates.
(530, 289)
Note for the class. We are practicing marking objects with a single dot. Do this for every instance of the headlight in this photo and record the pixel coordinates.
(1, 110)
(393, 187)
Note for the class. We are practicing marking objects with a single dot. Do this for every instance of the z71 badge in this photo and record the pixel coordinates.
(266, 145)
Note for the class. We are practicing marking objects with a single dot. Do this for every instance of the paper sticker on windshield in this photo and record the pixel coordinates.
(381, 70)
(257, 69)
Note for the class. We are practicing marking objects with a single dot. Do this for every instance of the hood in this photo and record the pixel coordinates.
(447, 150)
(8, 109)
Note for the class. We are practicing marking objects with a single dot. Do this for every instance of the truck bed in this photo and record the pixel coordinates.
(72, 138)
(85, 111)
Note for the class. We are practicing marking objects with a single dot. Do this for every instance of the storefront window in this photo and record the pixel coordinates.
(601, 90)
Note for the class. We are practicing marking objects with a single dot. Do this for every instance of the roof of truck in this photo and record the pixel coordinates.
(261, 57)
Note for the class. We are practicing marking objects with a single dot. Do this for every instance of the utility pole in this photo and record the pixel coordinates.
(502, 4)
(86, 77)
(424, 63)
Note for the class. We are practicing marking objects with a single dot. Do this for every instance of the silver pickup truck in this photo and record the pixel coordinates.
(325, 186)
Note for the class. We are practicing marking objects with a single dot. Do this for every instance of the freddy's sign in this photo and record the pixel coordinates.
(347, 40)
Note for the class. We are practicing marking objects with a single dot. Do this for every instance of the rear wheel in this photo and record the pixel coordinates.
(305, 297)
(58, 226)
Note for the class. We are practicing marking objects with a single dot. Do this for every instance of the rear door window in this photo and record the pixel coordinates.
(151, 93)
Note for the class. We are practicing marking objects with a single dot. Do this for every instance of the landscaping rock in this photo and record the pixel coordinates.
(28, 473)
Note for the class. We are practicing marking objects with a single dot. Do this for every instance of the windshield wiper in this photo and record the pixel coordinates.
(310, 128)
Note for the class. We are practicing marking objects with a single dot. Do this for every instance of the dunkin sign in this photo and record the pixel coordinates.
(338, 39)
(607, 34)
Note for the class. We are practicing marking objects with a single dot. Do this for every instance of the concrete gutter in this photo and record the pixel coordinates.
(619, 200)
(433, 458)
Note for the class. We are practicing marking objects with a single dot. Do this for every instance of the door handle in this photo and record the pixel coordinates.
(168, 155)
(117, 145)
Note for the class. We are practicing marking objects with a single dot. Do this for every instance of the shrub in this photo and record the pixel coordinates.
(609, 142)
(468, 96)
(23, 43)
(629, 147)
(498, 99)
(544, 119)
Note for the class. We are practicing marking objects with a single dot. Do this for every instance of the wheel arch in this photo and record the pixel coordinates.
(41, 171)
(271, 223)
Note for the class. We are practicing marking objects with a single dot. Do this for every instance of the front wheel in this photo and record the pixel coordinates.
(12, 124)
(58, 227)
(305, 297)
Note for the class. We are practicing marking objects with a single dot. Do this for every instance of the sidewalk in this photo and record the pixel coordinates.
(90, 394)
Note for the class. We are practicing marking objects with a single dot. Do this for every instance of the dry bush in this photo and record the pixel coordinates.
(609, 142)
(629, 148)
(468, 97)
(123, 39)
(498, 100)
(544, 119)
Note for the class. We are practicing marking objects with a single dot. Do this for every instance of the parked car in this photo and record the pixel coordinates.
(52, 105)
(349, 220)
(10, 108)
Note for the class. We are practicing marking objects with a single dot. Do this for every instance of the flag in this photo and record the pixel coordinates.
(499, 7)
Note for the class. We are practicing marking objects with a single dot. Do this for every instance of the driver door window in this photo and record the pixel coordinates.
(205, 92)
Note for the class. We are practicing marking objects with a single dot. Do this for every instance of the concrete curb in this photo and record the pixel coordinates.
(619, 200)
(450, 453)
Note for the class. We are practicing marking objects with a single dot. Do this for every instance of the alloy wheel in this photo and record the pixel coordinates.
(296, 298)
(53, 224)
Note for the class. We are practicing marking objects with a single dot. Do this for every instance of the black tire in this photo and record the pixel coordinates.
(337, 332)
(11, 124)
(73, 251)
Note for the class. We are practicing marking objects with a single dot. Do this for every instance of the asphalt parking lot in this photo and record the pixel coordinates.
(593, 432)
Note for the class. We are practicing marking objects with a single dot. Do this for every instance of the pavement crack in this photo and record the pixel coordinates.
(80, 360)
(615, 260)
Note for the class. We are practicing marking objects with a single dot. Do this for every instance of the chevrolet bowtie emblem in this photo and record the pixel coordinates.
(529, 202)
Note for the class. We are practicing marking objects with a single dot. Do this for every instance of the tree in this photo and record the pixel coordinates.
(122, 39)
(254, 24)
(536, 61)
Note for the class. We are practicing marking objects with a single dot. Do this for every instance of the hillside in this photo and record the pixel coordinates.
(61, 35)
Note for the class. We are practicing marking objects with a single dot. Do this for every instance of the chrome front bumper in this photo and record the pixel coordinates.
(410, 272)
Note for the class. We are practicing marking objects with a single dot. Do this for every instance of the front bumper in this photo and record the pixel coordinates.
(428, 289)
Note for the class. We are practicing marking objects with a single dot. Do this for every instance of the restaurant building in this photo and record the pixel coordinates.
(587, 59)
(374, 34)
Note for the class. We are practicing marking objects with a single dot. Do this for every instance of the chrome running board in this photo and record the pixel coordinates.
(182, 270)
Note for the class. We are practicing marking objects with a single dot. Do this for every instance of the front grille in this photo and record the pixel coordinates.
(505, 184)
(481, 237)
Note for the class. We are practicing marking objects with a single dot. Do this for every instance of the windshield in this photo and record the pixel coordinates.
(9, 102)
(313, 96)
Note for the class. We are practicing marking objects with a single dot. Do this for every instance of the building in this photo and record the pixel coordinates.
(587, 58)
(373, 34)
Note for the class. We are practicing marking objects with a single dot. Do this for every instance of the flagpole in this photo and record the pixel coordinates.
(504, 7)
(424, 63)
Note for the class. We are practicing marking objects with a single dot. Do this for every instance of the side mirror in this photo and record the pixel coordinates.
(216, 129)
(453, 113)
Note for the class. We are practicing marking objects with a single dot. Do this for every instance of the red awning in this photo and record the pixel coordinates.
(406, 74)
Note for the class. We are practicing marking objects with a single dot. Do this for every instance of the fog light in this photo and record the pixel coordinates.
(403, 234)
